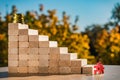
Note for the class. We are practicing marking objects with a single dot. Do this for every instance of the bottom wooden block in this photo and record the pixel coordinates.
(43, 70)
(12, 70)
(65, 70)
(33, 69)
(88, 69)
(22, 69)
(76, 70)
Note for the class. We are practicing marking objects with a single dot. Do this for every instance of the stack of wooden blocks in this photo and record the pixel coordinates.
(30, 53)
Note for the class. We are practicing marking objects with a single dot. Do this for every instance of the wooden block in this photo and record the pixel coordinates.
(23, 50)
(12, 70)
(78, 62)
(64, 56)
(12, 57)
(32, 57)
(43, 44)
(33, 63)
(53, 63)
(13, 32)
(23, 44)
(33, 37)
(54, 56)
(43, 63)
(76, 70)
(63, 50)
(12, 63)
(53, 70)
(22, 69)
(32, 32)
(43, 38)
(13, 51)
(43, 70)
(54, 50)
(64, 63)
(23, 57)
(44, 51)
(23, 38)
(22, 63)
(33, 44)
(12, 38)
(73, 56)
(33, 51)
(53, 44)
(13, 44)
(65, 70)
(88, 69)
(28, 32)
(33, 69)
(43, 57)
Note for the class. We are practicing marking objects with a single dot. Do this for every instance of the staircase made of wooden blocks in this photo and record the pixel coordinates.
(30, 53)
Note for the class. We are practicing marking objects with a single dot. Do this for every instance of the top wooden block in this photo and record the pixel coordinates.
(43, 38)
(73, 56)
(16, 26)
(63, 50)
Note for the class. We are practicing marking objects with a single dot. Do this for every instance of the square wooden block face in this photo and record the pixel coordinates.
(88, 70)
(64, 56)
(13, 38)
(54, 50)
(33, 51)
(43, 70)
(23, 38)
(44, 51)
(53, 70)
(33, 38)
(78, 62)
(22, 63)
(12, 69)
(23, 50)
(76, 70)
(53, 63)
(44, 63)
(43, 38)
(43, 57)
(43, 44)
(32, 57)
(23, 57)
(65, 70)
(63, 50)
(73, 56)
(13, 32)
(13, 44)
(54, 56)
(33, 63)
(12, 57)
(13, 51)
(64, 63)
(12, 63)
(33, 44)
(33, 69)
(23, 31)
(53, 44)
(23, 44)
(22, 69)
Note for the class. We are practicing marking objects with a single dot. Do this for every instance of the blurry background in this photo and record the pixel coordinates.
(89, 28)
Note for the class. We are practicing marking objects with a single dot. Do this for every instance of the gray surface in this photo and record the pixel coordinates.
(111, 73)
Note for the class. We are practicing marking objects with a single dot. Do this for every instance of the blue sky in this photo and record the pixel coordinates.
(89, 11)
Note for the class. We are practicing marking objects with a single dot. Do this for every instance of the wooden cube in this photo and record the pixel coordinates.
(23, 44)
(43, 63)
(13, 44)
(32, 57)
(12, 63)
(12, 69)
(13, 32)
(33, 38)
(13, 51)
(22, 69)
(43, 38)
(23, 38)
(33, 69)
(33, 44)
(43, 44)
(43, 57)
(23, 50)
(23, 31)
(23, 57)
(64, 63)
(53, 70)
(44, 51)
(12, 57)
(32, 32)
(33, 63)
(12, 38)
(54, 56)
(88, 69)
(53, 44)
(22, 63)
(78, 62)
(64, 56)
(33, 51)
(73, 56)
(76, 70)
(65, 70)
(43, 70)
(54, 50)
(63, 50)
(53, 63)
